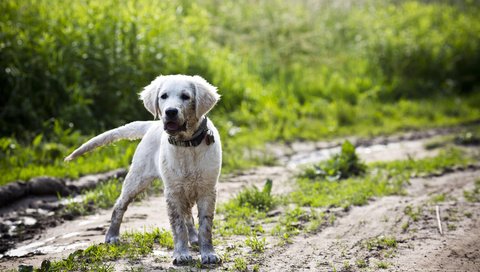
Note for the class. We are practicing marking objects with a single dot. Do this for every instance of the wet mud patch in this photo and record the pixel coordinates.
(35, 205)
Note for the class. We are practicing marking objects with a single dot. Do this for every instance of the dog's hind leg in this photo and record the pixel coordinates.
(142, 173)
(128, 194)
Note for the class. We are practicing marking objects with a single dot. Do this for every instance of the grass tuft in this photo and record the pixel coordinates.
(344, 165)
(97, 257)
(474, 194)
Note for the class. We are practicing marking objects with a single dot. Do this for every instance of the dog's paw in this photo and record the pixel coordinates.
(112, 239)
(211, 258)
(182, 258)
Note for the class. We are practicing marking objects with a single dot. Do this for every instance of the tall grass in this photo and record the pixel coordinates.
(286, 69)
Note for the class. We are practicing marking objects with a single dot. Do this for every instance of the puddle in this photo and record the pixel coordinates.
(68, 235)
(390, 151)
(41, 248)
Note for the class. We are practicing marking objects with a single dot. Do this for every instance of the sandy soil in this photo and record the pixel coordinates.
(329, 248)
(421, 247)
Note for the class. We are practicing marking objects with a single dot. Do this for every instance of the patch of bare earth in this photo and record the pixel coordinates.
(420, 246)
(332, 245)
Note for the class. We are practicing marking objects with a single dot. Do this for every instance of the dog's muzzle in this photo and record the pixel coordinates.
(173, 127)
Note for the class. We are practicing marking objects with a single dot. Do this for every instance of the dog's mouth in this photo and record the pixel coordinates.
(173, 127)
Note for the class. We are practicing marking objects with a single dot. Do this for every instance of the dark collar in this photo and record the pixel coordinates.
(197, 137)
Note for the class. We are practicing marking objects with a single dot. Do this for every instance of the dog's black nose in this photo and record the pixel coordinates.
(171, 112)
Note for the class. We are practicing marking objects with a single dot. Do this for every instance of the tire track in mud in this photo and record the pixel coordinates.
(61, 240)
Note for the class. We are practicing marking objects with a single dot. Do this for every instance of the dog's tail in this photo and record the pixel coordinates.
(131, 131)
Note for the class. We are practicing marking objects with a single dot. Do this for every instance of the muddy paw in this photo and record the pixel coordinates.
(182, 259)
(112, 239)
(211, 258)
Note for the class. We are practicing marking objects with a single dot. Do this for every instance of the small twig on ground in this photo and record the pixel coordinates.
(438, 219)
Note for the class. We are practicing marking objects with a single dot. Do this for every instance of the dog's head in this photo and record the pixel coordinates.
(180, 101)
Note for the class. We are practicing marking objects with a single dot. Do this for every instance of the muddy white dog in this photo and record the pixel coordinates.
(183, 149)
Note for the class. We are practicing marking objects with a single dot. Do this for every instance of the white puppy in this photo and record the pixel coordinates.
(183, 149)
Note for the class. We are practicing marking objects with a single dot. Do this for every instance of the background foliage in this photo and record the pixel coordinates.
(287, 70)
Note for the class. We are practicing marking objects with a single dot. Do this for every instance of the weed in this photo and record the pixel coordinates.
(291, 223)
(414, 215)
(243, 211)
(340, 166)
(361, 263)
(405, 226)
(259, 200)
(133, 246)
(474, 194)
(437, 198)
(240, 264)
(256, 244)
(383, 265)
(383, 178)
(379, 243)
(451, 226)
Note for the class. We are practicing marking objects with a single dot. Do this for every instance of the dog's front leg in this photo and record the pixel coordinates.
(176, 214)
(206, 210)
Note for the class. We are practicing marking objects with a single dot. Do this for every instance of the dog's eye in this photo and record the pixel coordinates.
(164, 96)
(184, 97)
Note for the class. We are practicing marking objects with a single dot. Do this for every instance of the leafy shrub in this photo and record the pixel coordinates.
(256, 244)
(286, 70)
(259, 200)
(344, 165)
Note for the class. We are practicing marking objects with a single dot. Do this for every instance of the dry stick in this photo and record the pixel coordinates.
(438, 219)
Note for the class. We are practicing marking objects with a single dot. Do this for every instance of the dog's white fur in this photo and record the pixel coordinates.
(189, 174)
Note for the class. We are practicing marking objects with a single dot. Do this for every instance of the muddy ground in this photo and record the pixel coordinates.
(335, 247)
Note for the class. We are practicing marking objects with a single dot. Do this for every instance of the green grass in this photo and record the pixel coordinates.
(383, 265)
(287, 70)
(42, 157)
(241, 212)
(134, 245)
(256, 244)
(102, 196)
(341, 166)
(240, 264)
(383, 178)
(256, 199)
(438, 198)
(474, 194)
(296, 220)
(380, 243)
(414, 214)
(245, 214)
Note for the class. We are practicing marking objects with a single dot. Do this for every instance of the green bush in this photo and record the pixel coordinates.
(287, 70)
(254, 198)
(344, 165)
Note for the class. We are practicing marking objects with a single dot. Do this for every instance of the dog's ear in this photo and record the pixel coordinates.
(206, 96)
(149, 96)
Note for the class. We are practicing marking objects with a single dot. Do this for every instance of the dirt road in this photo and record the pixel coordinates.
(337, 247)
